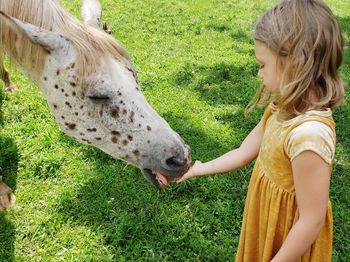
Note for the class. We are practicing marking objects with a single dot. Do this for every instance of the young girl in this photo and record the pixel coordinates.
(288, 216)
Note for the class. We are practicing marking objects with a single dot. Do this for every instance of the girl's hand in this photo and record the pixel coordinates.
(192, 172)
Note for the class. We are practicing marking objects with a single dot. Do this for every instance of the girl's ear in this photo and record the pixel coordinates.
(48, 40)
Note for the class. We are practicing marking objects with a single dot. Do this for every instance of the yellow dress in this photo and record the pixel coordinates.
(271, 208)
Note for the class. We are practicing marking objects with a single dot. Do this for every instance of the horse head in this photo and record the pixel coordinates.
(98, 101)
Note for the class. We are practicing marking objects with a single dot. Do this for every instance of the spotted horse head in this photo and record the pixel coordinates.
(92, 90)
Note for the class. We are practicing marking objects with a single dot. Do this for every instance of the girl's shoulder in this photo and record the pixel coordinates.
(312, 115)
(315, 131)
(324, 116)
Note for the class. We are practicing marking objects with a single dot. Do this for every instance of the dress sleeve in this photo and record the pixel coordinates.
(314, 136)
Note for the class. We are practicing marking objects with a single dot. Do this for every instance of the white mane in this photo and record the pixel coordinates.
(91, 44)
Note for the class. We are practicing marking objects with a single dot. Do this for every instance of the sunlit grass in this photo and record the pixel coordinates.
(196, 66)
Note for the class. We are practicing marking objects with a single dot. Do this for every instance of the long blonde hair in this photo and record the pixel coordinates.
(307, 39)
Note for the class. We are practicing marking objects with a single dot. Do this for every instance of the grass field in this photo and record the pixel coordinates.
(196, 66)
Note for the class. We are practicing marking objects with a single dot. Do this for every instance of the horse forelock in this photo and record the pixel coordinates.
(91, 44)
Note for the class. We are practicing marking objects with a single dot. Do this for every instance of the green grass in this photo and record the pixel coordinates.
(196, 66)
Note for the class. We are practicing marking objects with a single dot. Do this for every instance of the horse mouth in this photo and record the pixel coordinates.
(156, 178)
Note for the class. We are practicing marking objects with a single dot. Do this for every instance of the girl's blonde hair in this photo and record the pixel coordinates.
(307, 39)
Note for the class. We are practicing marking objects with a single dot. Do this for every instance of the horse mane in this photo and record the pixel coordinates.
(91, 44)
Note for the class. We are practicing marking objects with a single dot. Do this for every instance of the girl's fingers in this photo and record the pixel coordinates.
(193, 171)
(183, 178)
(180, 179)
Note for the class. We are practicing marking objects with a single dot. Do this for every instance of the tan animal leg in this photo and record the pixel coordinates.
(4, 76)
(7, 198)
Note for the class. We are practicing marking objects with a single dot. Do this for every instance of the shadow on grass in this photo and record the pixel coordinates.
(7, 239)
(174, 224)
(340, 178)
(8, 169)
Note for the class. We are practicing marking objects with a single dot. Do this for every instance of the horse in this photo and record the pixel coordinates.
(90, 85)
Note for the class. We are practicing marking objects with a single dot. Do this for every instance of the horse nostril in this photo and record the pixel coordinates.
(174, 162)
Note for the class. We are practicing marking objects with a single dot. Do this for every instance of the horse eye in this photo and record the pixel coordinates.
(99, 99)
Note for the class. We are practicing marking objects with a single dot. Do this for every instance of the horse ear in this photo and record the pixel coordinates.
(50, 41)
(91, 12)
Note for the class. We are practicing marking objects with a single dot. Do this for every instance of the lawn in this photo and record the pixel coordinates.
(196, 67)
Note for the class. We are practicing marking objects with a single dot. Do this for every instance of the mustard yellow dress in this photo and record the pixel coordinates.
(271, 207)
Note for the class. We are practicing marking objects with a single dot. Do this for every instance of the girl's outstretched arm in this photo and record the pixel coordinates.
(312, 179)
(234, 159)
